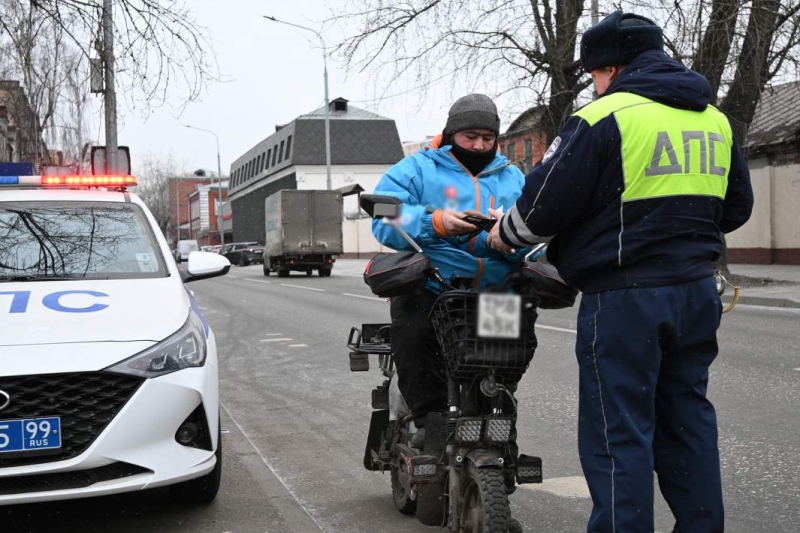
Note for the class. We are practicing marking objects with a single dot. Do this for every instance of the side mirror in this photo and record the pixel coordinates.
(381, 206)
(205, 265)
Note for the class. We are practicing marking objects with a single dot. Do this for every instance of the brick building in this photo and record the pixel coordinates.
(524, 143)
(181, 189)
(203, 208)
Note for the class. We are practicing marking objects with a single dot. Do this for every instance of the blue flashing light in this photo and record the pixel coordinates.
(9, 180)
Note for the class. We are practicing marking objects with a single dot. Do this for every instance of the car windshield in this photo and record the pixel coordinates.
(94, 240)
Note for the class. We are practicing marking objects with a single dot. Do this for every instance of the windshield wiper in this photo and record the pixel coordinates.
(39, 277)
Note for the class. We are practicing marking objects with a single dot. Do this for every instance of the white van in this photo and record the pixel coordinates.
(185, 247)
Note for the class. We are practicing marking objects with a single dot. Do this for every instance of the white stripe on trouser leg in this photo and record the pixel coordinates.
(603, 411)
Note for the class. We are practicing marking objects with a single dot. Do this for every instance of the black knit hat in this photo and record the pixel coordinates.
(618, 39)
(474, 111)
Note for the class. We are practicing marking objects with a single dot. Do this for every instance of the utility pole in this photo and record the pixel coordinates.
(177, 210)
(110, 91)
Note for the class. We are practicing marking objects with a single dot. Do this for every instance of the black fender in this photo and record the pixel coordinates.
(483, 458)
(377, 428)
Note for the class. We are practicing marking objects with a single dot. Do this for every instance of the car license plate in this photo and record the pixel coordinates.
(499, 315)
(30, 434)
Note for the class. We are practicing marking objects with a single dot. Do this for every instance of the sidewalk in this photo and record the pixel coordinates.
(782, 295)
(770, 295)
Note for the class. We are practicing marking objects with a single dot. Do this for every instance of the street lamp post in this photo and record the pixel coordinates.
(327, 104)
(219, 186)
(178, 211)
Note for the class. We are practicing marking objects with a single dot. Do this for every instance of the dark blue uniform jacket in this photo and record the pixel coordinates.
(575, 194)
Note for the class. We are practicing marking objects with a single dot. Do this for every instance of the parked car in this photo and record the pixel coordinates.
(215, 249)
(108, 381)
(244, 253)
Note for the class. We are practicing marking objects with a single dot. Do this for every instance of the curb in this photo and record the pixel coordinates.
(765, 301)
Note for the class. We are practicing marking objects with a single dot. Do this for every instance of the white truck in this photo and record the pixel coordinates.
(302, 231)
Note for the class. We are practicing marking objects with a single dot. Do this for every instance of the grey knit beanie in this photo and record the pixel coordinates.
(472, 112)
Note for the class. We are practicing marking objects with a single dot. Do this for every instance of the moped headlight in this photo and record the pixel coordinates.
(183, 349)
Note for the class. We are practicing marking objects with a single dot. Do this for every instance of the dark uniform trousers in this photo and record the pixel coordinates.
(644, 355)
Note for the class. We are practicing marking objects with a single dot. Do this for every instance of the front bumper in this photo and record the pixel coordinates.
(137, 450)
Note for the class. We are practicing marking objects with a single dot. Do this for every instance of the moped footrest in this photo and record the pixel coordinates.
(359, 362)
(529, 469)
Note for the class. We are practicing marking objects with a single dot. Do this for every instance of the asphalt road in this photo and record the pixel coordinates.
(296, 420)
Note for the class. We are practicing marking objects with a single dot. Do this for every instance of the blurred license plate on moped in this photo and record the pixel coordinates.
(499, 316)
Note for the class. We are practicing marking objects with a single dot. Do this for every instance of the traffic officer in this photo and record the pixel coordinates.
(637, 191)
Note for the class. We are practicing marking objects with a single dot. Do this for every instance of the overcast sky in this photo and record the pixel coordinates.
(274, 74)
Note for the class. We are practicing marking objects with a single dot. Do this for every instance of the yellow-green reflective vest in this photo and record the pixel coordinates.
(667, 151)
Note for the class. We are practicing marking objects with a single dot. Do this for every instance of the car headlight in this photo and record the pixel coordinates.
(183, 349)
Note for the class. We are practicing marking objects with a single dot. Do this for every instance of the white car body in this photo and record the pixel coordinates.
(82, 327)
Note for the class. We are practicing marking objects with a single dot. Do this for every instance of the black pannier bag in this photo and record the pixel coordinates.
(395, 274)
(542, 281)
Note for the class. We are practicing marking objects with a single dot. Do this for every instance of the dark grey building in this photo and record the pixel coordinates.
(363, 145)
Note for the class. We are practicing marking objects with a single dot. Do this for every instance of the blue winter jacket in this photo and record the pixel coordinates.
(575, 194)
(432, 180)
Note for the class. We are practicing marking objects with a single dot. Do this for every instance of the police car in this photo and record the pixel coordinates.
(108, 370)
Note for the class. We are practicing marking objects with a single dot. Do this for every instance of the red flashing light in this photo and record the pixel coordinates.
(91, 181)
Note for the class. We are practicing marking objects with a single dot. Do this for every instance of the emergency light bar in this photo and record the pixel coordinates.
(69, 181)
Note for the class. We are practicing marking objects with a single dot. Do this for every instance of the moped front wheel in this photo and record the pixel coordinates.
(484, 503)
(402, 499)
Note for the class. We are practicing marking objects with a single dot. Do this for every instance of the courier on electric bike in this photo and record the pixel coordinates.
(468, 464)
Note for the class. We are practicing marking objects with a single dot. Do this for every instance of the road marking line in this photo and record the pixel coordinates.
(274, 334)
(363, 297)
(257, 280)
(798, 369)
(565, 330)
(302, 287)
(298, 346)
(276, 339)
(266, 462)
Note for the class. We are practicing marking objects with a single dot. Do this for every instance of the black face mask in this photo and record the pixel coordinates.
(475, 162)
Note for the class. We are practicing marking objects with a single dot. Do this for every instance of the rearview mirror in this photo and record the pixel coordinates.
(381, 206)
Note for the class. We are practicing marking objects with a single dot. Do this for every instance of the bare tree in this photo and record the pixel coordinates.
(40, 56)
(740, 46)
(160, 49)
(153, 189)
(70, 130)
(508, 46)
(37, 52)
(529, 47)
